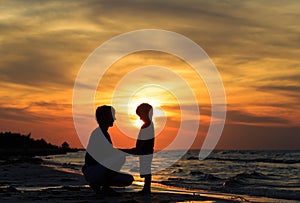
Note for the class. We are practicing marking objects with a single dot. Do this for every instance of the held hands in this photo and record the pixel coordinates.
(129, 151)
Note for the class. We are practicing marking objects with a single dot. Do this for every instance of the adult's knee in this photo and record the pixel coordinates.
(125, 180)
(131, 179)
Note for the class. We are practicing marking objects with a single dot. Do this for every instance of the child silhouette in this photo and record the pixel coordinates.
(145, 144)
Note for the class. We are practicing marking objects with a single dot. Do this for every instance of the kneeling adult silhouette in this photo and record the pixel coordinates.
(103, 162)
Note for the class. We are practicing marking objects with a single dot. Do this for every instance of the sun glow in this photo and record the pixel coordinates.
(138, 123)
(128, 121)
(136, 101)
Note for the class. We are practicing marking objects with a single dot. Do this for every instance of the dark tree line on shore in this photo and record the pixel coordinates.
(23, 145)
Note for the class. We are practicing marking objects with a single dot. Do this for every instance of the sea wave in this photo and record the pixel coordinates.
(257, 173)
(264, 160)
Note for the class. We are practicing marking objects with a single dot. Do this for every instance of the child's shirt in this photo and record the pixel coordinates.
(145, 141)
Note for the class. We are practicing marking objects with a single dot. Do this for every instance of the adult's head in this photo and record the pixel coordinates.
(105, 116)
(145, 111)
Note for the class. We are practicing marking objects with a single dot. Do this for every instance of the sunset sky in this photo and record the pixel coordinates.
(255, 45)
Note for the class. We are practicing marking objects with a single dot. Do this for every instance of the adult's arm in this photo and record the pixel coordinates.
(129, 151)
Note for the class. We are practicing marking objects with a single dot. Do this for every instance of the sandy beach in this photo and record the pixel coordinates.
(30, 180)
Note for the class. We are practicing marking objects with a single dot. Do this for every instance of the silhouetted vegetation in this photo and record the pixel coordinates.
(65, 145)
(15, 144)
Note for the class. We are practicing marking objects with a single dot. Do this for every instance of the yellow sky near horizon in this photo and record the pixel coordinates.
(254, 45)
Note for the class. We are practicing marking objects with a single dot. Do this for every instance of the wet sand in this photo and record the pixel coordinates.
(30, 180)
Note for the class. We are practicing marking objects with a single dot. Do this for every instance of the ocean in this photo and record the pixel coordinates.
(272, 174)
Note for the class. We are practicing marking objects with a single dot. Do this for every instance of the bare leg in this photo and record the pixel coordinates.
(147, 185)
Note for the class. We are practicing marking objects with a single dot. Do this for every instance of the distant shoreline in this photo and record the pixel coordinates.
(5, 153)
(18, 145)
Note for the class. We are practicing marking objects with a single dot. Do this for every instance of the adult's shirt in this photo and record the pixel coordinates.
(101, 151)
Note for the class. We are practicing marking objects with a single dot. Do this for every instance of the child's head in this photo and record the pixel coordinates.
(145, 112)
